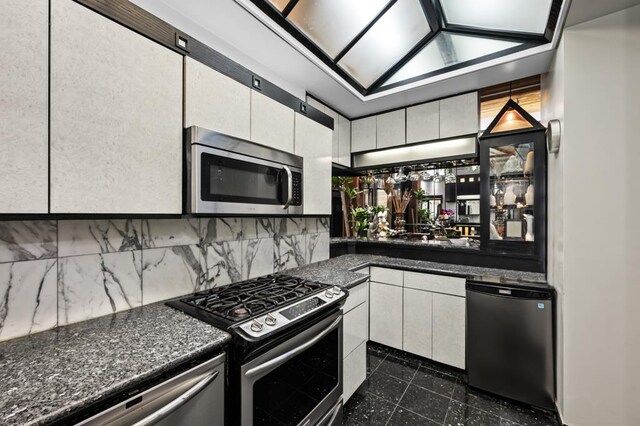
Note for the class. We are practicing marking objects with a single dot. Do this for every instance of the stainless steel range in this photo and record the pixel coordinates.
(285, 362)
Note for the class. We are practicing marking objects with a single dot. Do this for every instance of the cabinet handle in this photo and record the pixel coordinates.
(289, 187)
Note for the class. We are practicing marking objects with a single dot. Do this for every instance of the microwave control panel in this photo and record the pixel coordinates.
(297, 189)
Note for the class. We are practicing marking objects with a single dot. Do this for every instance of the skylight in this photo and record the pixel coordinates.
(375, 45)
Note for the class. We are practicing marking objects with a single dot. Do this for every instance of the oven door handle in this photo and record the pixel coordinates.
(289, 187)
(155, 417)
(276, 362)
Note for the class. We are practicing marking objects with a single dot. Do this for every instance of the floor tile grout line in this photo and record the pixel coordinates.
(401, 396)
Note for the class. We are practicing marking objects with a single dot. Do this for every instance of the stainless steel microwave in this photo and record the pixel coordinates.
(228, 175)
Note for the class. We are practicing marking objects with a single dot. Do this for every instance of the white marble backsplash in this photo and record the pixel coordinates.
(54, 273)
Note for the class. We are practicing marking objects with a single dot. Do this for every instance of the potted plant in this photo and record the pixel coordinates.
(360, 221)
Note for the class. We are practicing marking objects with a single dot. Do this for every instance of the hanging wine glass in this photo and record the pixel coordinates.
(438, 177)
(401, 177)
(390, 180)
(414, 176)
(426, 176)
(450, 177)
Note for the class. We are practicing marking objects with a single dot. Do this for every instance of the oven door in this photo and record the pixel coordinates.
(299, 382)
(225, 182)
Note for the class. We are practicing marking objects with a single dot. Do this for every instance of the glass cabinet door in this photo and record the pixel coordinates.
(511, 192)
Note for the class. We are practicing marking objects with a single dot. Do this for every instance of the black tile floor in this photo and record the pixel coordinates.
(401, 389)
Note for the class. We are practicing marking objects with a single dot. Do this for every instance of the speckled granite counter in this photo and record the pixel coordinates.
(52, 374)
(432, 244)
(339, 271)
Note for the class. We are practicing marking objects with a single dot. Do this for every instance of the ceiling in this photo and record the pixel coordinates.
(376, 45)
(240, 31)
(586, 10)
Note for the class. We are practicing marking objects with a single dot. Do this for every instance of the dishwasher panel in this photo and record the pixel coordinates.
(193, 398)
(510, 343)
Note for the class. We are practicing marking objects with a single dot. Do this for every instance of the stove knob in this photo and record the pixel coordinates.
(270, 320)
(329, 294)
(256, 326)
(336, 289)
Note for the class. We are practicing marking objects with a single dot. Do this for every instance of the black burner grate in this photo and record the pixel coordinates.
(239, 301)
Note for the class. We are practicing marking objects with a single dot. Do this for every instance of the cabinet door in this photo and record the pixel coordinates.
(24, 70)
(313, 142)
(423, 122)
(449, 330)
(354, 371)
(385, 314)
(363, 134)
(271, 122)
(390, 129)
(344, 141)
(417, 322)
(214, 101)
(355, 328)
(459, 115)
(116, 117)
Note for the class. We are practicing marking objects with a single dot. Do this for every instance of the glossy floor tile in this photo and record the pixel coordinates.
(402, 389)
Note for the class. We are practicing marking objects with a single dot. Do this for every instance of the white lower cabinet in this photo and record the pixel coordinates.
(385, 317)
(355, 333)
(449, 329)
(355, 330)
(354, 371)
(417, 325)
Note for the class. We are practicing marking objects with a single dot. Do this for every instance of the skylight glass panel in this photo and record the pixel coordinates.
(279, 4)
(386, 42)
(524, 16)
(448, 49)
(333, 24)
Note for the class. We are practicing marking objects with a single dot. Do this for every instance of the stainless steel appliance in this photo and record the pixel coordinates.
(510, 341)
(285, 360)
(227, 175)
(195, 397)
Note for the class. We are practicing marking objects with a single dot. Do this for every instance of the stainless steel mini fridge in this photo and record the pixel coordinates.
(510, 342)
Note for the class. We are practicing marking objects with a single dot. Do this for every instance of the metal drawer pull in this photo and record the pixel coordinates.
(269, 365)
(178, 402)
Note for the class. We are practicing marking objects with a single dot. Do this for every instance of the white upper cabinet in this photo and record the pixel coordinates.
(116, 117)
(459, 115)
(335, 144)
(313, 143)
(24, 35)
(215, 101)
(363, 134)
(391, 129)
(344, 141)
(316, 104)
(423, 122)
(271, 122)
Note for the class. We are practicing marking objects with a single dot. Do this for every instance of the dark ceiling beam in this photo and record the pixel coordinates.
(289, 7)
(363, 32)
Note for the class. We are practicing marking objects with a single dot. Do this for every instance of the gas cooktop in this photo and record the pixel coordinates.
(259, 307)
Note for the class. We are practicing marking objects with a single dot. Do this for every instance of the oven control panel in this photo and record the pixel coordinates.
(266, 324)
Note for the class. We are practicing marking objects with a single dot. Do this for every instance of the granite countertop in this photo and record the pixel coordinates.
(442, 245)
(48, 375)
(339, 271)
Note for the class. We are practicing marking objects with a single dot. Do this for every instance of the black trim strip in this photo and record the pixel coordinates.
(144, 23)
(49, 110)
(363, 32)
(289, 7)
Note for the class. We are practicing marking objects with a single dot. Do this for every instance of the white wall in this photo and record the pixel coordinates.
(595, 250)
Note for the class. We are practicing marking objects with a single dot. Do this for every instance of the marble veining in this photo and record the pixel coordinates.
(28, 240)
(290, 226)
(289, 252)
(220, 229)
(317, 247)
(79, 237)
(171, 272)
(317, 224)
(170, 232)
(257, 258)
(49, 375)
(95, 285)
(260, 227)
(28, 301)
(222, 263)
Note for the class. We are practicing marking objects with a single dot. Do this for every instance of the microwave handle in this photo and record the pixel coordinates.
(289, 187)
